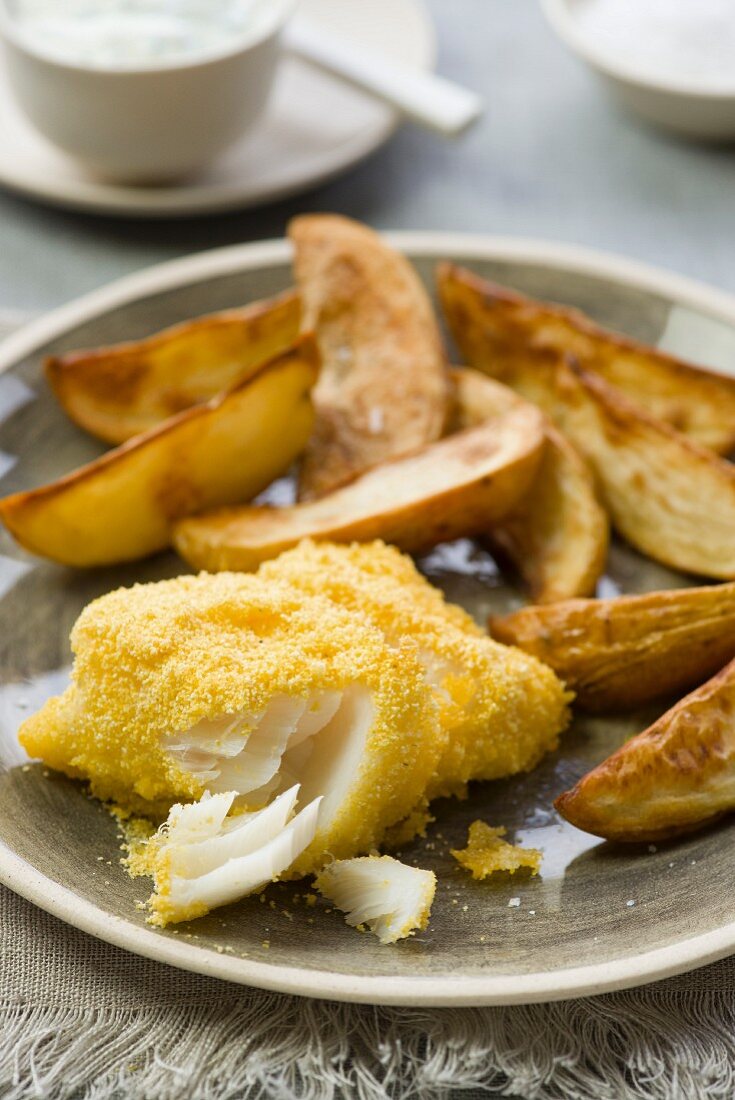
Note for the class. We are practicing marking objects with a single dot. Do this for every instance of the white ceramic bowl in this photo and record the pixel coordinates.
(680, 106)
(149, 123)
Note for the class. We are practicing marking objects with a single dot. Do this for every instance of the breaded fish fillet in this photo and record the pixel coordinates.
(503, 712)
(327, 698)
(236, 683)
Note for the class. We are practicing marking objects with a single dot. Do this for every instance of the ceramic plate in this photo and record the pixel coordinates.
(296, 145)
(598, 918)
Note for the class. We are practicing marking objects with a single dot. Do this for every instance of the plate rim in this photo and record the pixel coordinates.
(100, 198)
(430, 991)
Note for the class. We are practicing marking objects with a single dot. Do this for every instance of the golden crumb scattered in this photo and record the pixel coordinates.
(135, 833)
(414, 825)
(486, 853)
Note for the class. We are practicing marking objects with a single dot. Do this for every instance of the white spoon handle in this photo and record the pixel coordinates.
(423, 97)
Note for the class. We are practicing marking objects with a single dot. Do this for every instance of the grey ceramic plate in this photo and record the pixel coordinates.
(598, 918)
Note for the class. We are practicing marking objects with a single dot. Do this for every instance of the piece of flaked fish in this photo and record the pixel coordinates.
(392, 899)
(202, 858)
(245, 752)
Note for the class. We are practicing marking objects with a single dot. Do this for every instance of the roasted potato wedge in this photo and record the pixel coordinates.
(118, 392)
(382, 390)
(557, 536)
(502, 326)
(676, 776)
(669, 497)
(458, 486)
(621, 653)
(121, 507)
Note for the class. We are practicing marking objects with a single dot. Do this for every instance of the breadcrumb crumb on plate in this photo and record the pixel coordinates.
(487, 852)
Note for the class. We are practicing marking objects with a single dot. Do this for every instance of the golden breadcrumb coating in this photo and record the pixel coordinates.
(373, 573)
(503, 710)
(156, 659)
(412, 826)
(421, 700)
(486, 853)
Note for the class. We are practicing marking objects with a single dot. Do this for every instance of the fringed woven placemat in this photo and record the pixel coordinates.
(81, 1020)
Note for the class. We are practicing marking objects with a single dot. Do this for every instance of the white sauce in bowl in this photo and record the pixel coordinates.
(686, 41)
(136, 33)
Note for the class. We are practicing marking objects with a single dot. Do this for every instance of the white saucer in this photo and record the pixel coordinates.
(314, 128)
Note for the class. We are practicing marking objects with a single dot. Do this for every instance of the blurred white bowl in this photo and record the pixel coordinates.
(678, 105)
(153, 122)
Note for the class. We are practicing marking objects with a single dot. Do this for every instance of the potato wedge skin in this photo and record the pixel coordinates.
(382, 390)
(698, 402)
(621, 653)
(118, 392)
(121, 507)
(676, 776)
(671, 498)
(557, 537)
(458, 486)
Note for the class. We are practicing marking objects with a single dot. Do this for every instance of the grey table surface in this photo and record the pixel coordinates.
(552, 157)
